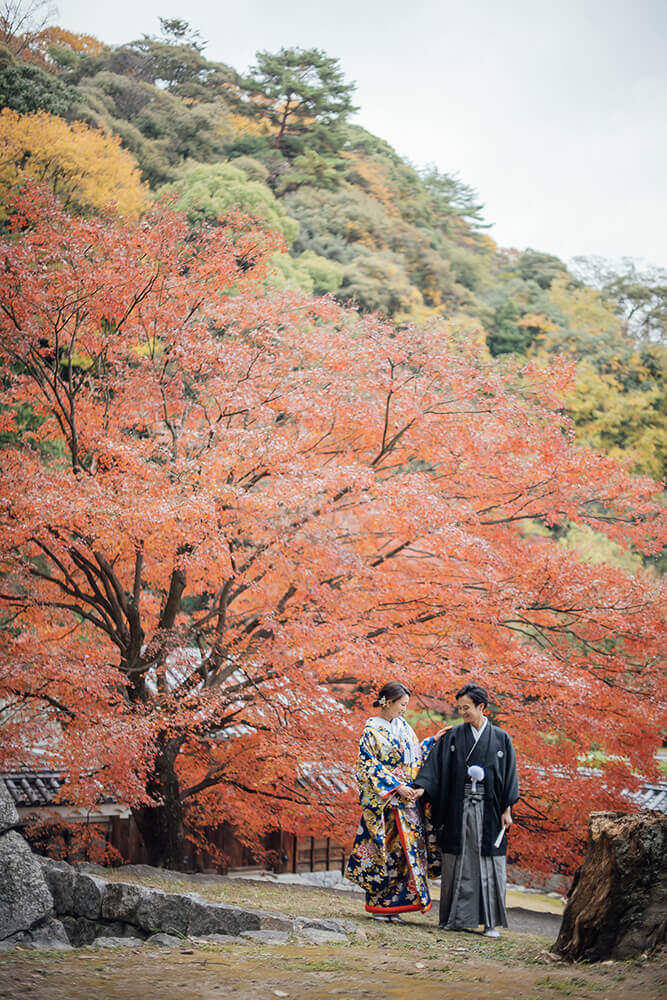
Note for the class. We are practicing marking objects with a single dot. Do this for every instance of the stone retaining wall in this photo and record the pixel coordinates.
(51, 904)
(90, 907)
(26, 905)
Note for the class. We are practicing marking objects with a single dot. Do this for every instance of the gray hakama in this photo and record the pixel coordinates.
(473, 887)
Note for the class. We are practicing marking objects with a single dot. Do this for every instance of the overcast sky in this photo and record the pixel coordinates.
(554, 112)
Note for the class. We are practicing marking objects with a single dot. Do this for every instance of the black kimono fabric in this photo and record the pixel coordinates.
(443, 779)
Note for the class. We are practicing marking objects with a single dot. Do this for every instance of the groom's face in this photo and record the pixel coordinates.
(469, 711)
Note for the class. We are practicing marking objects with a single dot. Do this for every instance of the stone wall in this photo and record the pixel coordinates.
(51, 904)
(91, 907)
(26, 905)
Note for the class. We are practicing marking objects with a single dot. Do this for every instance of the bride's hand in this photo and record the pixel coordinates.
(418, 792)
(441, 732)
(407, 793)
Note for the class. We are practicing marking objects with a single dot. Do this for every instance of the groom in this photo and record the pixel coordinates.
(471, 814)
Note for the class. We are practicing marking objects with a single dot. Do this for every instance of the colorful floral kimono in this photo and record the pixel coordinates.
(389, 855)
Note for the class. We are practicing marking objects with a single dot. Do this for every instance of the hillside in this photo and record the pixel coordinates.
(359, 221)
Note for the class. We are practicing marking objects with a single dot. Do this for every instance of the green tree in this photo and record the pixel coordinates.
(302, 92)
(210, 191)
(506, 335)
(27, 88)
(178, 32)
(542, 268)
(161, 129)
(452, 202)
(308, 273)
(638, 296)
(377, 282)
(641, 301)
(310, 169)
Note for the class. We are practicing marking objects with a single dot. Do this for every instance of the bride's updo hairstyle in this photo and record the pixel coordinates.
(389, 692)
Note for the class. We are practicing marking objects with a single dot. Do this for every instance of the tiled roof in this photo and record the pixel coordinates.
(33, 788)
(654, 797)
(39, 788)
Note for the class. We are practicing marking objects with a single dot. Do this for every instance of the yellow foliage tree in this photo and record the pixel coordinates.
(373, 178)
(87, 169)
(627, 424)
(87, 44)
(38, 50)
(242, 125)
(589, 319)
(618, 400)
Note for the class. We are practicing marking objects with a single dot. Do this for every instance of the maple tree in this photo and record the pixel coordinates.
(227, 513)
(85, 168)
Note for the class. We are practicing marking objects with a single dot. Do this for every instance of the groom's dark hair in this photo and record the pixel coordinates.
(476, 693)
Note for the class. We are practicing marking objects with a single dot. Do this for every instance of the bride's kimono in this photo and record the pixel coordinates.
(389, 855)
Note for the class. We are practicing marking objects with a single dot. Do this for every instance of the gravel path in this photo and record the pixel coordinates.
(532, 922)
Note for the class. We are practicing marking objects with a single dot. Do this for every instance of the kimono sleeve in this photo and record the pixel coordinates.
(510, 792)
(426, 747)
(371, 771)
(430, 775)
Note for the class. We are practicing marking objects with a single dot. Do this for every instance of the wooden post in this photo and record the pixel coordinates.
(312, 854)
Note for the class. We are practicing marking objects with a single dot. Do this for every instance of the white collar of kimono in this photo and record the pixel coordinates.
(402, 733)
(476, 733)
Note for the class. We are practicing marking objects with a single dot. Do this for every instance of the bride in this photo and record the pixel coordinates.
(389, 857)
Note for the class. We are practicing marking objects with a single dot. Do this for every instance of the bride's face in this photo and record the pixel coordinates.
(398, 707)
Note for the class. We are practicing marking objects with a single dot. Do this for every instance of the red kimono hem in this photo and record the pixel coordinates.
(399, 909)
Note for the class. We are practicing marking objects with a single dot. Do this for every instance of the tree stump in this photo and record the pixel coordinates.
(617, 906)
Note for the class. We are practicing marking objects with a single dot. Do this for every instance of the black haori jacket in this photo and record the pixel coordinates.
(443, 779)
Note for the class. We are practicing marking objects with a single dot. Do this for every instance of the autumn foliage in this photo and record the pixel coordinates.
(86, 169)
(226, 514)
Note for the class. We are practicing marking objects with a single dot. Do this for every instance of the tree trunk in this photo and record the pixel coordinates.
(618, 902)
(161, 825)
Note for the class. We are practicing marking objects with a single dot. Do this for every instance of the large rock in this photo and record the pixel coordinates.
(8, 814)
(60, 878)
(273, 921)
(218, 918)
(117, 942)
(331, 924)
(121, 901)
(312, 935)
(25, 899)
(618, 904)
(88, 893)
(49, 935)
(267, 936)
(116, 928)
(163, 911)
(80, 930)
(165, 941)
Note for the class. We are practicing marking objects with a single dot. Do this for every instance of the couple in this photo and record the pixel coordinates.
(467, 777)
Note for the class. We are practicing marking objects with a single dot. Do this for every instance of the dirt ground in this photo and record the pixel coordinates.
(394, 962)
